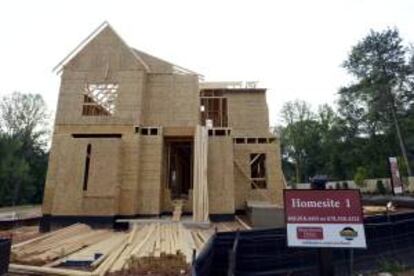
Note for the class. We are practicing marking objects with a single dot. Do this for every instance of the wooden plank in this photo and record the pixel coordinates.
(245, 225)
(17, 268)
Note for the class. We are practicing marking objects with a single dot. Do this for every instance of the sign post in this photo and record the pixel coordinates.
(397, 187)
(324, 219)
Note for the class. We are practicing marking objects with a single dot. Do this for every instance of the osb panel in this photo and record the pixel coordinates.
(179, 131)
(49, 190)
(104, 179)
(128, 104)
(99, 206)
(171, 100)
(155, 64)
(66, 175)
(248, 114)
(105, 49)
(88, 129)
(243, 190)
(130, 168)
(220, 175)
(149, 191)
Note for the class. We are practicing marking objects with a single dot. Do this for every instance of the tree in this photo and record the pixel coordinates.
(383, 84)
(298, 136)
(23, 137)
(24, 115)
(13, 170)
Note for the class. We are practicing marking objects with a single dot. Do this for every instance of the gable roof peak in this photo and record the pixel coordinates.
(104, 25)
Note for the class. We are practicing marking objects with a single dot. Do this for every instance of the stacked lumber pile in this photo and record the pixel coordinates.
(55, 245)
(149, 246)
(157, 248)
(21, 234)
(200, 237)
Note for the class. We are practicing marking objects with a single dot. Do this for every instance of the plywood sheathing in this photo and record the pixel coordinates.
(149, 190)
(65, 179)
(134, 164)
(128, 106)
(220, 175)
(171, 101)
(243, 188)
(248, 114)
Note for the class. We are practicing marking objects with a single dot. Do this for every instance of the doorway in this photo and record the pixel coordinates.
(179, 167)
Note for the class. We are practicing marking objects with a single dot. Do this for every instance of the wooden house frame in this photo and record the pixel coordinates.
(134, 132)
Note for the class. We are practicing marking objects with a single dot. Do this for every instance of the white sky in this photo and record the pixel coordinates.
(294, 48)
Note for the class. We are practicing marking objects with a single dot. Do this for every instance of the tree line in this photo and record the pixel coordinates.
(24, 134)
(373, 117)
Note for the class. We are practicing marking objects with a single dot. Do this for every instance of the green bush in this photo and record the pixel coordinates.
(360, 176)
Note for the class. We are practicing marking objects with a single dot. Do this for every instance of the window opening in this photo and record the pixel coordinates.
(258, 170)
(99, 99)
(87, 163)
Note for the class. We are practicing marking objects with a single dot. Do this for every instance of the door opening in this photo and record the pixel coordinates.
(180, 167)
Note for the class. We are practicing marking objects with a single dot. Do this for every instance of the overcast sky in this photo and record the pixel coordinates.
(294, 48)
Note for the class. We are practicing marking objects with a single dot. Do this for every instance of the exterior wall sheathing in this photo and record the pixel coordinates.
(127, 175)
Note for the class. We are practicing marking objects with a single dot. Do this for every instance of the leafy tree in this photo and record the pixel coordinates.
(299, 137)
(23, 136)
(375, 102)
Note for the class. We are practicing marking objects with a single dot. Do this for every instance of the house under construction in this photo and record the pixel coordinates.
(135, 134)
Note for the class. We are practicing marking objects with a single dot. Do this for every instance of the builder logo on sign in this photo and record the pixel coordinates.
(348, 233)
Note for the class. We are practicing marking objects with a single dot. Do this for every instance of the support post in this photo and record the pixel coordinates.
(326, 267)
